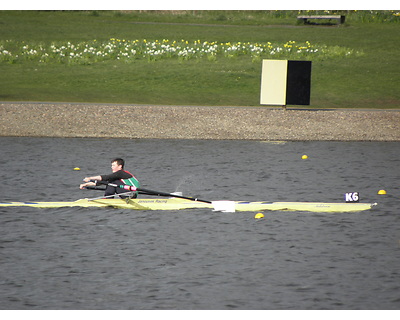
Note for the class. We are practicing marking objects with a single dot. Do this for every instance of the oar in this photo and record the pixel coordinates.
(226, 206)
(152, 192)
(104, 189)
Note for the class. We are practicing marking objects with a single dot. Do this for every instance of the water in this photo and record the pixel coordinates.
(88, 258)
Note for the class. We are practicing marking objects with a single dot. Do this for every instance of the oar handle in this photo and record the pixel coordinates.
(95, 188)
(122, 186)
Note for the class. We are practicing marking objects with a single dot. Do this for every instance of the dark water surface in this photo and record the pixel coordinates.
(94, 258)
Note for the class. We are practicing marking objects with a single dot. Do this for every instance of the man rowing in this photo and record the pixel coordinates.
(118, 177)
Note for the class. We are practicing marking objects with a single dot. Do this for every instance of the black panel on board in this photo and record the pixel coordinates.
(298, 83)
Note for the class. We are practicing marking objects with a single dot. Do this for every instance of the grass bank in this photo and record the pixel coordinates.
(368, 77)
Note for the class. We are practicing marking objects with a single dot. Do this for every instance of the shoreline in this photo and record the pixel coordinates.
(100, 120)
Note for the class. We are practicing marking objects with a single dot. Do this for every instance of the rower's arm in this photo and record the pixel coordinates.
(88, 179)
(89, 182)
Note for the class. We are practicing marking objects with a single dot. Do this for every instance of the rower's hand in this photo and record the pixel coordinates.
(87, 179)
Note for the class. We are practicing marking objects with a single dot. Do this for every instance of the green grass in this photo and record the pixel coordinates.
(367, 81)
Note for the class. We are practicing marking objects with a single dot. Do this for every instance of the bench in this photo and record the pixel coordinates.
(340, 19)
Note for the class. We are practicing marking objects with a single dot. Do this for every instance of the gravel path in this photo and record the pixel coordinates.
(195, 122)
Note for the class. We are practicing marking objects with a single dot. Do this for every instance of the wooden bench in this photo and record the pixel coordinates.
(340, 19)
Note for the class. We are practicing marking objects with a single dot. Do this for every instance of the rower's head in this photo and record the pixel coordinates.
(117, 164)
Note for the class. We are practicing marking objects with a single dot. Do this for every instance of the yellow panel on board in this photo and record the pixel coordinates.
(273, 82)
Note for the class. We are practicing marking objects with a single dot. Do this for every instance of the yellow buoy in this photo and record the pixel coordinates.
(259, 216)
(381, 192)
(304, 156)
(77, 169)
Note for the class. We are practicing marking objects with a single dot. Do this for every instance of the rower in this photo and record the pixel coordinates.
(119, 176)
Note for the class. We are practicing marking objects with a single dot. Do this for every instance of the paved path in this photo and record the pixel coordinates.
(195, 122)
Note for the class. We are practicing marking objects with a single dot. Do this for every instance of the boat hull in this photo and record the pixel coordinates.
(180, 204)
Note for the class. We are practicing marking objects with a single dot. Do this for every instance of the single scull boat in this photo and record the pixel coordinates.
(179, 204)
(176, 201)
